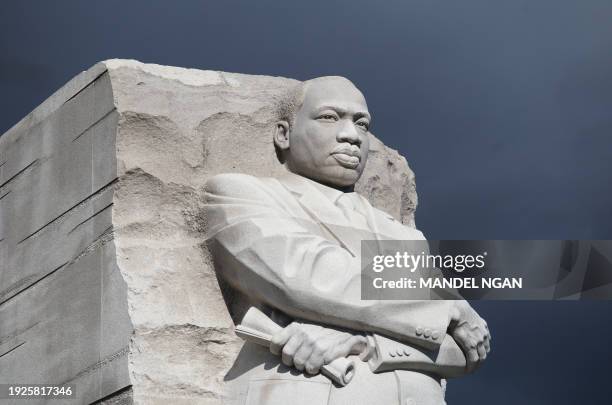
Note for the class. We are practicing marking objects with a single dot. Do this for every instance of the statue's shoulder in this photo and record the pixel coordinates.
(237, 184)
(224, 179)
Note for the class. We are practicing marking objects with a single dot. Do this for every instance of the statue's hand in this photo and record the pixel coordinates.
(307, 347)
(471, 333)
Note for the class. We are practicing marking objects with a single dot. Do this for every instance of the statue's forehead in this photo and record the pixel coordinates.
(334, 92)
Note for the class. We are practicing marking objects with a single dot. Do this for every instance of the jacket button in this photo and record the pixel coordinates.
(419, 331)
(427, 332)
(406, 352)
(435, 335)
(399, 352)
(391, 354)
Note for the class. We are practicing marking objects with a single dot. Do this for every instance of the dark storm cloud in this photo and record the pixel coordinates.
(502, 109)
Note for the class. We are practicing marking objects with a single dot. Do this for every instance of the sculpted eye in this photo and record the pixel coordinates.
(327, 117)
(363, 124)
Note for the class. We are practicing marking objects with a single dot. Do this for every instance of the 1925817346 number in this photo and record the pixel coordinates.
(23, 391)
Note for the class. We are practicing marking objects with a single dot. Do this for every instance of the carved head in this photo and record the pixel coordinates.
(323, 129)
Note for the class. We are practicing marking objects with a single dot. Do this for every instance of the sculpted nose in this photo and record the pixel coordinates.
(349, 133)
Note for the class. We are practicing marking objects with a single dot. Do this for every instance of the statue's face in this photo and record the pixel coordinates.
(329, 139)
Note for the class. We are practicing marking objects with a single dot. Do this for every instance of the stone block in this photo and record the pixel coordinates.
(104, 278)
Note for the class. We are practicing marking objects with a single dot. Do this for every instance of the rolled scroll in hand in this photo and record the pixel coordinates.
(257, 328)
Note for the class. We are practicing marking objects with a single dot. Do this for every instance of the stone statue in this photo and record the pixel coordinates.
(289, 246)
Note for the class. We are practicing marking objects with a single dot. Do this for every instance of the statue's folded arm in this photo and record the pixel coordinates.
(267, 254)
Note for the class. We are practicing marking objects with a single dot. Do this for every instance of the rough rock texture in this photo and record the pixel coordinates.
(104, 279)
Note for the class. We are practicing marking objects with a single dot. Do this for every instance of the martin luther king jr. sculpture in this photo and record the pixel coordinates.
(290, 247)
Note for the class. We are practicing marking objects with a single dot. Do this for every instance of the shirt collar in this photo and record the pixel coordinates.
(330, 193)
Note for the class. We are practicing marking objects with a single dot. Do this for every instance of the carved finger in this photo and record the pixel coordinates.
(312, 368)
(482, 352)
(463, 342)
(314, 363)
(280, 339)
(299, 363)
(357, 344)
(480, 337)
(472, 342)
(460, 333)
(472, 360)
(290, 348)
(302, 354)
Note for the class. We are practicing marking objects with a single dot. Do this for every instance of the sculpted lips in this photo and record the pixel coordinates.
(348, 156)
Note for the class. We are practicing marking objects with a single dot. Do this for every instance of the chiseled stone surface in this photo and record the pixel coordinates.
(62, 318)
(104, 278)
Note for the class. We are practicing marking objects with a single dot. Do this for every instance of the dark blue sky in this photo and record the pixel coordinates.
(503, 109)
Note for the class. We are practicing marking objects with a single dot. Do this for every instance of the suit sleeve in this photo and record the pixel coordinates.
(267, 254)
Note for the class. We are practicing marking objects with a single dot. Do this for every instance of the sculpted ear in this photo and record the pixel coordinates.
(281, 135)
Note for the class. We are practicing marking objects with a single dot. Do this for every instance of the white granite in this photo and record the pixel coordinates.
(104, 278)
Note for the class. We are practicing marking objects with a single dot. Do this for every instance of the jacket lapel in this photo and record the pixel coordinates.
(322, 211)
(314, 201)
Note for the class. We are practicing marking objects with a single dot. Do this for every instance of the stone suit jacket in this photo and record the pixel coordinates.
(284, 246)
